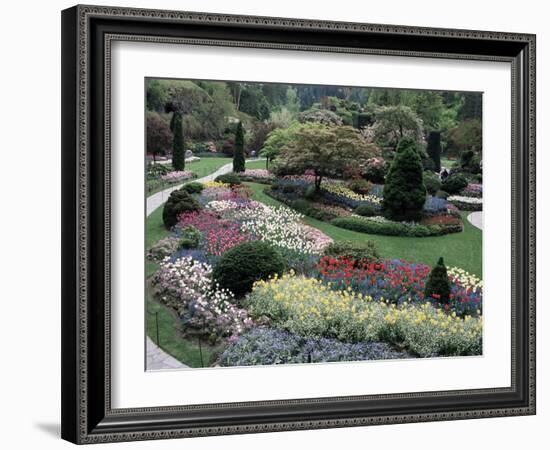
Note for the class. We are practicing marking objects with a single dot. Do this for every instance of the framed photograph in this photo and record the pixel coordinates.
(279, 224)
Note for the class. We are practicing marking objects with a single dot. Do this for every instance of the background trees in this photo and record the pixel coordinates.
(159, 135)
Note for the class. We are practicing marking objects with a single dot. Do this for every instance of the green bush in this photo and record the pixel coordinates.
(238, 268)
(432, 182)
(229, 178)
(404, 191)
(192, 188)
(442, 194)
(359, 186)
(364, 225)
(310, 193)
(438, 285)
(355, 250)
(190, 237)
(365, 210)
(178, 203)
(454, 183)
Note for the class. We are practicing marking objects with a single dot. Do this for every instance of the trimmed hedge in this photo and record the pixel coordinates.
(355, 250)
(238, 268)
(364, 225)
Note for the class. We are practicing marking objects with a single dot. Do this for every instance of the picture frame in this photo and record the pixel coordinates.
(87, 35)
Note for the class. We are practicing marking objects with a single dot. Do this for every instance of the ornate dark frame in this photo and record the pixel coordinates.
(87, 33)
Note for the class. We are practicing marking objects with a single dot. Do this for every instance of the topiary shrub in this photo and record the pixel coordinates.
(404, 191)
(357, 251)
(178, 203)
(454, 183)
(238, 268)
(387, 228)
(229, 178)
(189, 237)
(365, 210)
(438, 285)
(432, 182)
(192, 188)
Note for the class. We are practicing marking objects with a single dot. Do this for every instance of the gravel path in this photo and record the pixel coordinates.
(476, 219)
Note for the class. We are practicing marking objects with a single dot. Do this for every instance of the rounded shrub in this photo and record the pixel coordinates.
(359, 186)
(365, 210)
(442, 194)
(454, 183)
(190, 237)
(229, 178)
(358, 251)
(178, 203)
(238, 268)
(192, 188)
(432, 182)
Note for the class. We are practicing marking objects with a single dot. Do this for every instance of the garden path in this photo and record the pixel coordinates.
(155, 200)
(476, 219)
(157, 359)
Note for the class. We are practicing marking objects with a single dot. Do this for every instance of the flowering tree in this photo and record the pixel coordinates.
(326, 151)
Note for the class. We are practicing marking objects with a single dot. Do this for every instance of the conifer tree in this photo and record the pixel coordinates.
(404, 191)
(238, 155)
(438, 285)
(178, 145)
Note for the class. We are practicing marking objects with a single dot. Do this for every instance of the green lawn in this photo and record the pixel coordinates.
(255, 164)
(458, 249)
(186, 350)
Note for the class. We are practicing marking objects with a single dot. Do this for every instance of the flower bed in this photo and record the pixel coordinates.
(397, 281)
(466, 203)
(256, 175)
(307, 307)
(273, 346)
(177, 175)
(186, 285)
(473, 190)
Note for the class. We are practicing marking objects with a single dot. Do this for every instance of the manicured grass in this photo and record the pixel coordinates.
(458, 249)
(255, 164)
(172, 342)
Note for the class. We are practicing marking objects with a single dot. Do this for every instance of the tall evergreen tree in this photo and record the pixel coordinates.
(404, 191)
(438, 285)
(238, 155)
(434, 149)
(178, 145)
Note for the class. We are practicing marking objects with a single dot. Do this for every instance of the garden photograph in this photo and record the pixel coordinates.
(294, 223)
